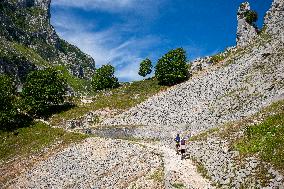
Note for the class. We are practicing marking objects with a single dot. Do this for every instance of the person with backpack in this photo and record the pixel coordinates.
(182, 148)
(177, 139)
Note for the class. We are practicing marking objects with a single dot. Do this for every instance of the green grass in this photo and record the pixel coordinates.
(30, 54)
(158, 175)
(203, 136)
(178, 185)
(266, 140)
(122, 98)
(79, 85)
(26, 141)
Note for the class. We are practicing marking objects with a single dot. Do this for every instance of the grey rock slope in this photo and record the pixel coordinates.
(96, 164)
(241, 85)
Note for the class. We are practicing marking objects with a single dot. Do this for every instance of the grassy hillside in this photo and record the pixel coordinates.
(261, 135)
(29, 140)
(122, 98)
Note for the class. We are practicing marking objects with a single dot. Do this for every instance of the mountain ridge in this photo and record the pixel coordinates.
(31, 39)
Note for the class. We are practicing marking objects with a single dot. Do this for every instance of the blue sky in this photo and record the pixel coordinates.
(124, 32)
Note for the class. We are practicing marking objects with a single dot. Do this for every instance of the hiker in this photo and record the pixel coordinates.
(182, 148)
(177, 139)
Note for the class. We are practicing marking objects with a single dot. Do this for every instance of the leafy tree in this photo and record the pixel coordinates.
(43, 89)
(104, 78)
(251, 16)
(145, 67)
(172, 68)
(8, 110)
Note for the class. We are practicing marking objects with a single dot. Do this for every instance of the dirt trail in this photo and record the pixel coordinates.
(180, 173)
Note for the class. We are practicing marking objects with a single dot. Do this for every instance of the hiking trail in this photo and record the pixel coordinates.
(179, 173)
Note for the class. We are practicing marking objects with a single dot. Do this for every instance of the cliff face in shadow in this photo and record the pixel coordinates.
(28, 41)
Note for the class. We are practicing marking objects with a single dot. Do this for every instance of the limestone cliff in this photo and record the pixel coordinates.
(274, 19)
(246, 31)
(28, 41)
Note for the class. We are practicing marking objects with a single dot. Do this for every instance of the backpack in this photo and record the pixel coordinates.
(177, 139)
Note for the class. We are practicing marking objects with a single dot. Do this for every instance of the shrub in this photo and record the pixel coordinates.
(104, 78)
(8, 110)
(145, 67)
(172, 68)
(42, 90)
(217, 58)
(251, 16)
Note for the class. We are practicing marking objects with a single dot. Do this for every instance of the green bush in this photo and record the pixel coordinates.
(217, 58)
(172, 68)
(145, 67)
(251, 16)
(8, 110)
(104, 78)
(42, 90)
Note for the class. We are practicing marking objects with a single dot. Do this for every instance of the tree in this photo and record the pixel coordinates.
(145, 67)
(8, 110)
(251, 16)
(42, 90)
(104, 78)
(172, 68)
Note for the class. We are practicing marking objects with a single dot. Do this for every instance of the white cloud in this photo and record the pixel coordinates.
(95, 4)
(135, 6)
(107, 46)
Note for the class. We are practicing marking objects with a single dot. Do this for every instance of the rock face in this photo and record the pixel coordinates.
(26, 35)
(246, 32)
(274, 19)
(204, 63)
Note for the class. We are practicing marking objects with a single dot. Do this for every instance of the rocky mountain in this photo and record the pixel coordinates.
(28, 42)
(216, 109)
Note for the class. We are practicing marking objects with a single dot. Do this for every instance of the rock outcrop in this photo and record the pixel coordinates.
(274, 19)
(27, 35)
(246, 32)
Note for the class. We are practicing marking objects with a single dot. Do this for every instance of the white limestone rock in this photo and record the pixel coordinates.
(246, 32)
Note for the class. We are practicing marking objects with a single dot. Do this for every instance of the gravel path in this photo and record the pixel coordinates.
(178, 171)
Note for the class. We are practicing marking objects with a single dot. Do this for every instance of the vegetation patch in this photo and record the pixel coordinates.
(217, 58)
(158, 175)
(77, 84)
(201, 169)
(122, 98)
(29, 140)
(203, 136)
(265, 139)
(178, 185)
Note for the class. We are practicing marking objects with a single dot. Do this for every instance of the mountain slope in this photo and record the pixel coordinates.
(244, 82)
(28, 42)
